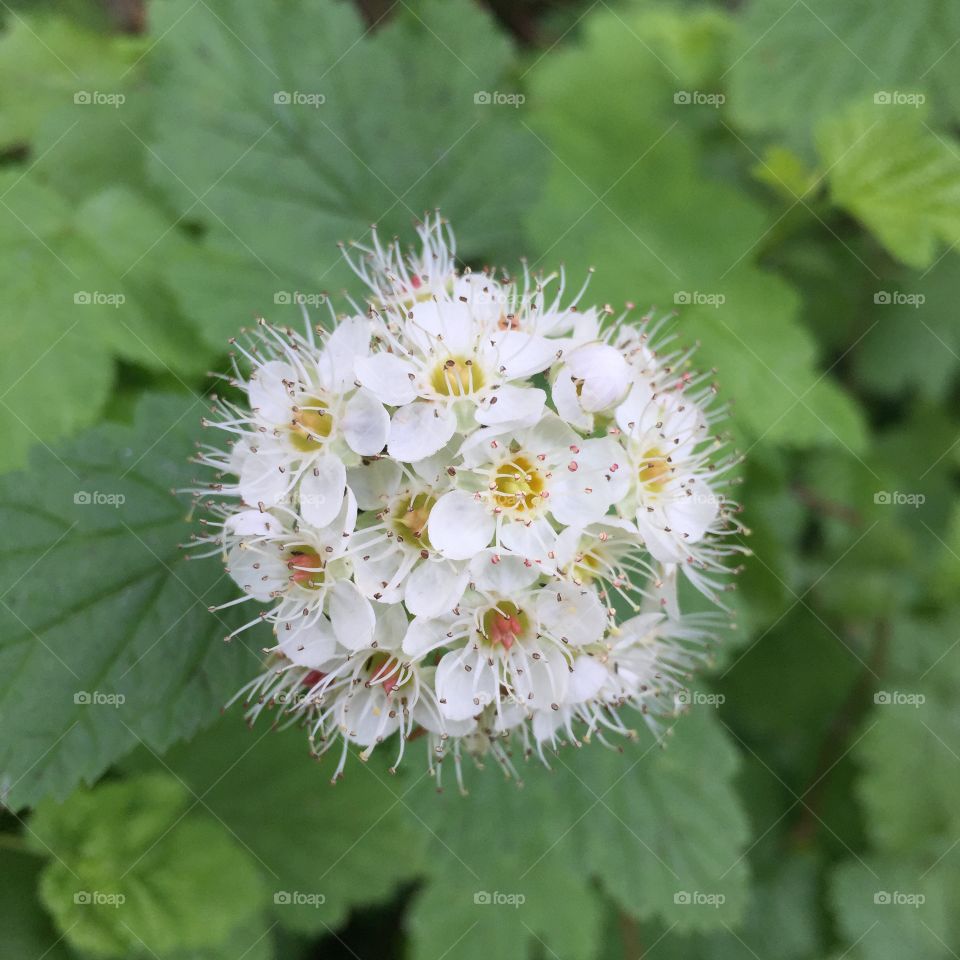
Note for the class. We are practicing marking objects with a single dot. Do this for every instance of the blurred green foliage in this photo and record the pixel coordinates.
(783, 175)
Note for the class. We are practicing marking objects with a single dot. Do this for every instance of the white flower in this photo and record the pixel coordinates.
(528, 477)
(307, 417)
(594, 378)
(447, 370)
(508, 637)
(464, 511)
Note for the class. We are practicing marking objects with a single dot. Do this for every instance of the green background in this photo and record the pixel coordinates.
(784, 175)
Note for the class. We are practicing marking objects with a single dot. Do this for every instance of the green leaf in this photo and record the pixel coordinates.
(67, 277)
(887, 910)
(911, 772)
(662, 234)
(136, 871)
(794, 63)
(246, 145)
(27, 930)
(676, 844)
(634, 821)
(48, 61)
(322, 848)
(106, 636)
(899, 176)
(915, 343)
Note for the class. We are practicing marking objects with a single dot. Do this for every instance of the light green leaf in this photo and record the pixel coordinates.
(898, 175)
(66, 278)
(909, 754)
(106, 636)
(888, 910)
(661, 234)
(794, 63)
(135, 870)
(49, 62)
(322, 848)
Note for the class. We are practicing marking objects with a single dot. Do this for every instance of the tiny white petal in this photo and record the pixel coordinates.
(460, 525)
(419, 430)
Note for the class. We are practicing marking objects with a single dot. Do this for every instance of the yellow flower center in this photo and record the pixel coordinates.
(456, 377)
(654, 470)
(312, 424)
(410, 520)
(518, 485)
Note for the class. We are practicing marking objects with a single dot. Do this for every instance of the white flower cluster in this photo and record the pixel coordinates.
(467, 506)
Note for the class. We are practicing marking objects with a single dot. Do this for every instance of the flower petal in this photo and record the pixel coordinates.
(460, 525)
(604, 372)
(434, 587)
(351, 615)
(517, 354)
(572, 613)
(321, 490)
(510, 404)
(465, 685)
(365, 423)
(391, 378)
(309, 644)
(419, 430)
(268, 393)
